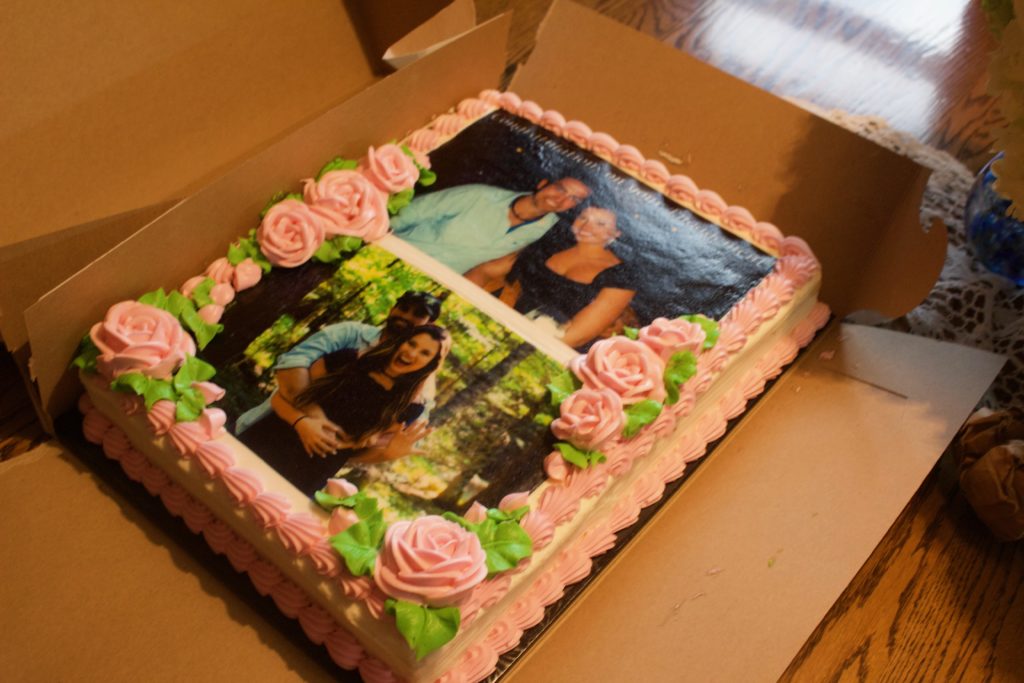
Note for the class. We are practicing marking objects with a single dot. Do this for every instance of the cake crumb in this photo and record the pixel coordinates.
(714, 571)
(771, 562)
(827, 355)
(698, 595)
(669, 157)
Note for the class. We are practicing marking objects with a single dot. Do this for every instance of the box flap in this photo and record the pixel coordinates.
(439, 30)
(854, 202)
(155, 99)
(64, 253)
(198, 230)
(766, 536)
(83, 589)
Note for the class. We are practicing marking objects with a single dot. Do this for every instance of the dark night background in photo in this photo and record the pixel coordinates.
(681, 263)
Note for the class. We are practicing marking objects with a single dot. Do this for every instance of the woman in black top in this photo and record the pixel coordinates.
(370, 397)
(584, 289)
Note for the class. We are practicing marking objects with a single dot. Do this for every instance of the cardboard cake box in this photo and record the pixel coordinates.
(768, 533)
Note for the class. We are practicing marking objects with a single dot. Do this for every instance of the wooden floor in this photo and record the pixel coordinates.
(939, 599)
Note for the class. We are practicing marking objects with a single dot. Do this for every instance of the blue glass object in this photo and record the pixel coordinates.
(997, 236)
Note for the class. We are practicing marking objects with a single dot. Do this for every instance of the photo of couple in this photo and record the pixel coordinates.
(567, 240)
(383, 376)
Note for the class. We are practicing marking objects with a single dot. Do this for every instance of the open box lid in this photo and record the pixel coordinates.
(123, 105)
(112, 124)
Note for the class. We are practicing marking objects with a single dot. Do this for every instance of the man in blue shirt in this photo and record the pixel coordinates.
(467, 225)
(294, 369)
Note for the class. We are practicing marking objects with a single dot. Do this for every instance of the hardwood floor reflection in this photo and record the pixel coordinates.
(919, 64)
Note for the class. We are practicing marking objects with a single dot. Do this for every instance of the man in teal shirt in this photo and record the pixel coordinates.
(467, 225)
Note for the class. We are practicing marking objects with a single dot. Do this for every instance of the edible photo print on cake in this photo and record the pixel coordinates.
(380, 375)
(568, 240)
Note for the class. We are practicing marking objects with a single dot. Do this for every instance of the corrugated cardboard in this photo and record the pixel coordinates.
(856, 204)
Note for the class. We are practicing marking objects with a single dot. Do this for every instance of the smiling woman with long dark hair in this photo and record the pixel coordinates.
(370, 401)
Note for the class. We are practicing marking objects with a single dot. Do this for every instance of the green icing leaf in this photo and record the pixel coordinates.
(427, 177)
(237, 253)
(359, 543)
(192, 370)
(331, 250)
(508, 516)
(573, 455)
(399, 201)
(337, 164)
(158, 390)
(639, 415)
(277, 198)
(631, 332)
(203, 331)
(178, 303)
(131, 383)
(156, 298)
(248, 247)
(260, 259)
(709, 325)
(543, 419)
(503, 540)
(561, 386)
(505, 544)
(582, 459)
(424, 628)
(327, 501)
(88, 352)
(201, 294)
(680, 367)
(189, 405)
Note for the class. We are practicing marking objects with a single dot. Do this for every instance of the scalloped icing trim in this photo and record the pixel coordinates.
(303, 534)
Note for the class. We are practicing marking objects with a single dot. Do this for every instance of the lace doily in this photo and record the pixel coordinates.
(968, 305)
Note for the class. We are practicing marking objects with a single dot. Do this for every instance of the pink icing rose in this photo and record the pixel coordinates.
(350, 203)
(514, 501)
(190, 284)
(342, 488)
(220, 270)
(389, 168)
(290, 233)
(556, 467)
(135, 337)
(629, 368)
(211, 313)
(589, 418)
(430, 561)
(666, 337)
(222, 294)
(476, 513)
(247, 273)
(341, 519)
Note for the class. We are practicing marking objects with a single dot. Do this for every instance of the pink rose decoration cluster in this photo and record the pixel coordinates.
(430, 561)
(617, 373)
(342, 202)
(136, 337)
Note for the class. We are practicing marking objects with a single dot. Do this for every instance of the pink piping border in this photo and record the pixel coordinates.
(305, 535)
